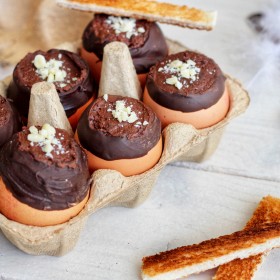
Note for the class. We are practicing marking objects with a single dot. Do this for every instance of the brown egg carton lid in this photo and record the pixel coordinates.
(109, 187)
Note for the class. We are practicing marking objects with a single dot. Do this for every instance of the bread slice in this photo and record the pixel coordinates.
(268, 211)
(183, 261)
(149, 10)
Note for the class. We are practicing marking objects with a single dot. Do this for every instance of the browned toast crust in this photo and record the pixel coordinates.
(239, 269)
(211, 249)
(268, 211)
(147, 9)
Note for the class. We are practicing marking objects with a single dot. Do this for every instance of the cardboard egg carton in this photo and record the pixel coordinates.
(109, 187)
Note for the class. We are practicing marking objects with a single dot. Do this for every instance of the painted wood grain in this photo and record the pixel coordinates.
(186, 207)
(190, 202)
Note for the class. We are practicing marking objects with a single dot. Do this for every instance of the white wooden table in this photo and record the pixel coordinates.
(190, 202)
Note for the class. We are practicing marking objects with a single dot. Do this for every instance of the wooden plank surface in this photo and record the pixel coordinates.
(185, 207)
(190, 202)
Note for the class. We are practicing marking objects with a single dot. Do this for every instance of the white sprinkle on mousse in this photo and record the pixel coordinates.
(180, 70)
(174, 81)
(52, 70)
(124, 25)
(49, 70)
(123, 113)
(139, 124)
(45, 138)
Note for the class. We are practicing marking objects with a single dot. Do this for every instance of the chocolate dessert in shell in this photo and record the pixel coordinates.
(187, 83)
(10, 122)
(74, 90)
(104, 132)
(42, 171)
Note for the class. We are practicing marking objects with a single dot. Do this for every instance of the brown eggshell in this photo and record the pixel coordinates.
(20, 212)
(75, 117)
(128, 167)
(199, 119)
(95, 65)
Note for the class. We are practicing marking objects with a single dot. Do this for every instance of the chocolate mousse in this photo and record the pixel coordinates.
(186, 81)
(145, 40)
(9, 120)
(45, 168)
(116, 127)
(69, 73)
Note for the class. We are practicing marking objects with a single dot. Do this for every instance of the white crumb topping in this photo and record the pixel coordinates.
(139, 124)
(52, 71)
(124, 25)
(45, 138)
(141, 30)
(181, 71)
(123, 113)
(174, 81)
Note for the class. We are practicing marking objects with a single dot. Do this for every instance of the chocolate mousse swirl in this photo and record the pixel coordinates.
(146, 48)
(194, 95)
(108, 138)
(74, 92)
(9, 120)
(43, 182)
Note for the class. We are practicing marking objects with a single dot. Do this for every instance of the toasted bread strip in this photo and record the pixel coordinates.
(149, 10)
(209, 254)
(268, 211)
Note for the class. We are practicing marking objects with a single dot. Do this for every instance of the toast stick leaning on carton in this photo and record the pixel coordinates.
(149, 10)
(187, 260)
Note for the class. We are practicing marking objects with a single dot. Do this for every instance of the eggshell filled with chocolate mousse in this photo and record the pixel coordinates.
(44, 177)
(69, 73)
(10, 122)
(187, 87)
(120, 133)
(144, 39)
